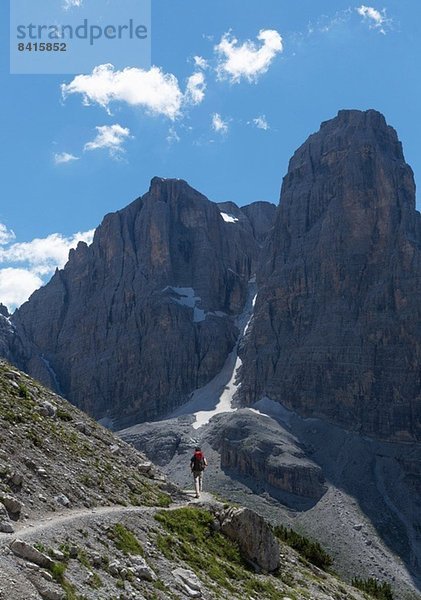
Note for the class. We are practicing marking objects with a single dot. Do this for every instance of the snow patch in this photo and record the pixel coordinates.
(186, 296)
(216, 397)
(228, 218)
(269, 408)
(7, 322)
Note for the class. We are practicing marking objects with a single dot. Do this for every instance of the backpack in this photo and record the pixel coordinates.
(198, 462)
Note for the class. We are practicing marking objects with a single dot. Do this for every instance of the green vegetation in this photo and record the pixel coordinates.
(309, 549)
(83, 558)
(40, 547)
(125, 540)
(64, 415)
(192, 539)
(383, 591)
(146, 494)
(24, 392)
(35, 438)
(57, 571)
(95, 582)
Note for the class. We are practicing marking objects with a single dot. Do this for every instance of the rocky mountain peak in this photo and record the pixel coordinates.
(146, 314)
(356, 161)
(340, 283)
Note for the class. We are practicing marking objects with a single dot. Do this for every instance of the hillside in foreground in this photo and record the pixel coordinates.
(83, 515)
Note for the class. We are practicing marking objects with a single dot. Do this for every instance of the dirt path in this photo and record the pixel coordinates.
(67, 517)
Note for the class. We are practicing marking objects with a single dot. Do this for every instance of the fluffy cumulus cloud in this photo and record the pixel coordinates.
(16, 285)
(376, 19)
(195, 90)
(109, 137)
(29, 264)
(63, 158)
(248, 60)
(218, 124)
(153, 90)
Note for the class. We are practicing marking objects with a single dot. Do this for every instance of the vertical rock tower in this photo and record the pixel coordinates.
(337, 325)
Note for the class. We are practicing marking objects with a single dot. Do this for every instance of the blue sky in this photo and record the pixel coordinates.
(269, 72)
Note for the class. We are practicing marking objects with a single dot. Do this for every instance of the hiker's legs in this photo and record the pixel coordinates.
(201, 481)
(197, 483)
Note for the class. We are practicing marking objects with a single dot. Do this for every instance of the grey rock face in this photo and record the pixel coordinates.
(336, 330)
(262, 217)
(257, 446)
(255, 539)
(142, 317)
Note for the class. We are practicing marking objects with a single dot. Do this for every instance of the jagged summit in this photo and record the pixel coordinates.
(145, 314)
(336, 326)
(164, 189)
(354, 116)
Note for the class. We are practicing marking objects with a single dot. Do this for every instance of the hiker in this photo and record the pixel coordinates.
(198, 463)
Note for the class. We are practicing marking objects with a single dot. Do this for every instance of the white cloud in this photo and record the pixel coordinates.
(218, 124)
(376, 19)
(261, 123)
(34, 262)
(6, 235)
(16, 285)
(200, 62)
(111, 137)
(247, 60)
(328, 23)
(196, 86)
(64, 157)
(172, 136)
(72, 4)
(157, 92)
(30, 264)
(44, 255)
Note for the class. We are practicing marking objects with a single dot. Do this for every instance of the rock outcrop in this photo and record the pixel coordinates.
(259, 447)
(262, 217)
(144, 315)
(336, 330)
(255, 538)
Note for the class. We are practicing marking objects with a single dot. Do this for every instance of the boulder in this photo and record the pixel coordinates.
(142, 569)
(5, 523)
(12, 504)
(28, 552)
(189, 581)
(46, 409)
(46, 589)
(63, 500)
(258, 545)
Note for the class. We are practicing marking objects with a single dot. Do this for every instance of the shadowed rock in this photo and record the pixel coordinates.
(336, 331)
(144, 315)
(257, 446)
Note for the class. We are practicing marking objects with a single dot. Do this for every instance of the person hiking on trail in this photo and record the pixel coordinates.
(198, 463)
